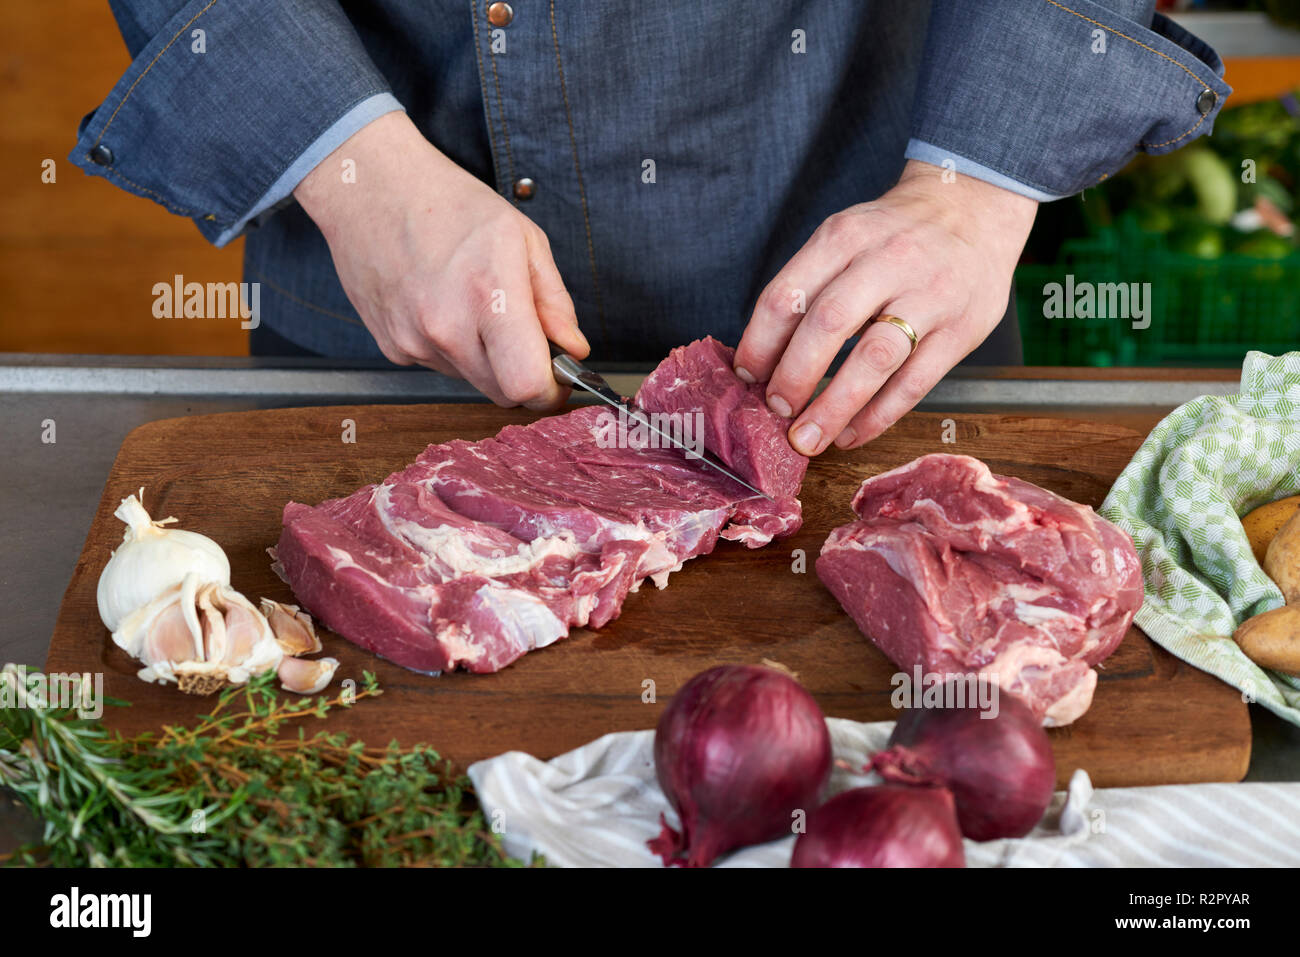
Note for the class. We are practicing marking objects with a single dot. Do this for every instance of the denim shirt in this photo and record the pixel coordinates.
(679, 153)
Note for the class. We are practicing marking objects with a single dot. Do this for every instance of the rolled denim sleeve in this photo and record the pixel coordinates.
(222, 102)
(1049, 97)
(278, 195)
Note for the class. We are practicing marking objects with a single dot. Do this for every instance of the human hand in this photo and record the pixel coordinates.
(937, 254)
(443, 271)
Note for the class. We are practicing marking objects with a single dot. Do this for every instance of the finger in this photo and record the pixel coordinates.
(398, 357)
(416, 342)
(388, 345)
(784, 302)
(473, 365)
(879, 354)
(517, 352)
(842, 308)
(438, 364)
(935, 355)
(552, 301)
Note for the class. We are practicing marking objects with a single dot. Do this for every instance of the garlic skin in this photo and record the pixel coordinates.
(151, 560)
(293, 627)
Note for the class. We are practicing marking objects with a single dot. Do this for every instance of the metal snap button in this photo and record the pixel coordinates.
(101, 155)
(500, 14)
(524, 188)
(1206, 101)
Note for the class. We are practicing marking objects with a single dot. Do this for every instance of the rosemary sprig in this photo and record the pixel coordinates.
(232, 789)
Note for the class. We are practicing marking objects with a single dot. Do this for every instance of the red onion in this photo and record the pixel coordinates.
(1000, 770)
(892, 825)
(738, 750)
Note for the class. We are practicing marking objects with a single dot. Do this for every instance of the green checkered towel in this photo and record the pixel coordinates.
(1207, 463)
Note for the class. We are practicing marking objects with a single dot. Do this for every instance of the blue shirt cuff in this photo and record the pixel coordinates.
(928, 153)
(280, 193)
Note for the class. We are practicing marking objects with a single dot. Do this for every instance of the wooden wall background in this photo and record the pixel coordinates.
(79, 257)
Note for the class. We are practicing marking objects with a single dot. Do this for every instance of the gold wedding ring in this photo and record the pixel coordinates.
(901, 324)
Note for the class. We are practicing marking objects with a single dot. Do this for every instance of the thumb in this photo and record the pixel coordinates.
(552, 301)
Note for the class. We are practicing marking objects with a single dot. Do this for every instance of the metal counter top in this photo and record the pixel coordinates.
(51, 490)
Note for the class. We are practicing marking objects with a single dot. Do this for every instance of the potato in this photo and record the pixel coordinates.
(1262, 523)
(1282, 560)
(1272, 639)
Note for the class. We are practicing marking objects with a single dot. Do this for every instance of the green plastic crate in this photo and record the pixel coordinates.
(1202, 312)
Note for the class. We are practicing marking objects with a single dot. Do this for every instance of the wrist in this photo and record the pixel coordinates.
(971, 206)
(345, 183)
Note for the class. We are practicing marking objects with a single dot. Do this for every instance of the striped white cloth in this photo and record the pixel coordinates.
(597, 806)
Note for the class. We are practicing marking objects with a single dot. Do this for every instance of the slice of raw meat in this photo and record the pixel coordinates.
(479, 552)
(738, 426)
(956, 570)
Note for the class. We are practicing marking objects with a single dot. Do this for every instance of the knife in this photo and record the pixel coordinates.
(569, 371)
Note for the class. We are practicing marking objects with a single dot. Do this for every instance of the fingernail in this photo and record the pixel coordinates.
(807, 437)
(744, 375)
(847, 437)
(779, 406)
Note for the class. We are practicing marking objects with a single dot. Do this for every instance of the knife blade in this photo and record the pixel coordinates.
(569, 371)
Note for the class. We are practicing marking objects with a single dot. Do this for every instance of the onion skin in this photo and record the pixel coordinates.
(1001, 770)
(893, 825)
(738, 750)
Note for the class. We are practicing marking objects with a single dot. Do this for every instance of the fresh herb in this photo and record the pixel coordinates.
(232, 790)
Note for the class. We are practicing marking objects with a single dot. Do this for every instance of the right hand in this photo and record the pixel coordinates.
(443, 271)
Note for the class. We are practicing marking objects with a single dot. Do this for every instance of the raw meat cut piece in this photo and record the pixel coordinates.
(394, 570)
(479, 552)
(739, 427)
(957, 570)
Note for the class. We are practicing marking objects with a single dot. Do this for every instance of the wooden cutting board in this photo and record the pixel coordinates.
(1155, 719)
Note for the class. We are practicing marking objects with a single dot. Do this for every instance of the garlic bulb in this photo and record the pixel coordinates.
(166, 597)
(151, 560)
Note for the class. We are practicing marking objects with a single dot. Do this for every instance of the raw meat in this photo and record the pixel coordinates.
(479, 552)
(739, 427)
(956, 570)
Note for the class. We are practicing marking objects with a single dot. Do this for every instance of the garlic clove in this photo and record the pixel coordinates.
(215, 644)
(166, 630)
(306, 676)
(250, 647)
(245, 627)
(294, 630)
(167, 636)
(238, 628)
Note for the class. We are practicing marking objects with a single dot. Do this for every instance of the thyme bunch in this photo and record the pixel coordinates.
(237, 788)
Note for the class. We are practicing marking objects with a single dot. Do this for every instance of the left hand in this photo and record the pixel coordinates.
(937, 254)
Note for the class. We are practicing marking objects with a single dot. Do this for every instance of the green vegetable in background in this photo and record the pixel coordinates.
(1201, 240)
(1213, 182)
(1154, 219)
